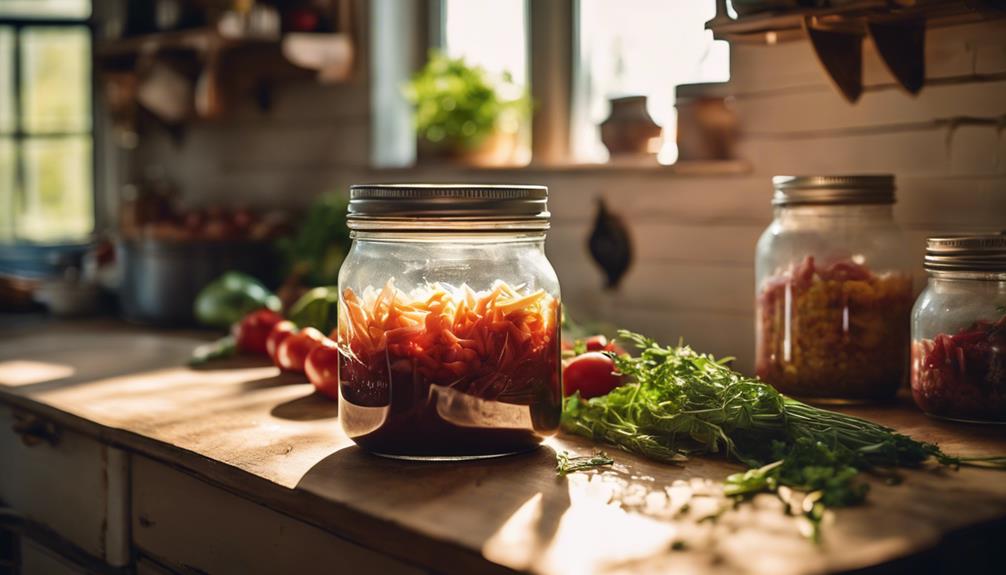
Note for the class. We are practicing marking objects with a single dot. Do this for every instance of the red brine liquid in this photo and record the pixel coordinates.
(449, 372)
(962, 375)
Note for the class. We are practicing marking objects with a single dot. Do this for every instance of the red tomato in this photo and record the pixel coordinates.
(322, 368)
(252, 332)
(614, 348)
(596, 343)
(280, 331)
(592, 374)
(293, 350)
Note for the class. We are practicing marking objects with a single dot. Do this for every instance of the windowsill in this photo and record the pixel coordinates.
(687, 168)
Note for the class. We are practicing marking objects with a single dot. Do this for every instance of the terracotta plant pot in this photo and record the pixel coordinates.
(498, 149)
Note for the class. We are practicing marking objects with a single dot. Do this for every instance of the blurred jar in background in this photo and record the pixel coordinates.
(959, 330)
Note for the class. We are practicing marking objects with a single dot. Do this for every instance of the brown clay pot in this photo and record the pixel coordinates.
(629, 128)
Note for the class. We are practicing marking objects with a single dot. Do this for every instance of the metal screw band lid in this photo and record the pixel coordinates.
(833, 190)
(966, 253)
(428, 206)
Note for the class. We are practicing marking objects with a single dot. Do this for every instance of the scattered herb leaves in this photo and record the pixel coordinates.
(566, 464)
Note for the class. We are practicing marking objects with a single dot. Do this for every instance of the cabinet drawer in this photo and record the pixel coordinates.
(37, 560)
(67, 482)
(194, 526)
(145, 566)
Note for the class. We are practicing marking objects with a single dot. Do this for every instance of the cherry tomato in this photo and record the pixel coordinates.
(293, 350)
(252, 332)
(592, 374)
(596, 343)
(280, 331)
(601, 343)
(322, 368)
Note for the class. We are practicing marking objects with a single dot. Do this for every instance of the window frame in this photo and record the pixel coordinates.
(19, 135)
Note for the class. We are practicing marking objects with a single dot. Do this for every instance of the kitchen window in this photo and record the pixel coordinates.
(613, 52)
(46, 129)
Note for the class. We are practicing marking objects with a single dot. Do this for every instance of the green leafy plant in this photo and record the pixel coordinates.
(315, 252)
(457, 106)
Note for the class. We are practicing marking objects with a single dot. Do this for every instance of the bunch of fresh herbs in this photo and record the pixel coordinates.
(681, 403)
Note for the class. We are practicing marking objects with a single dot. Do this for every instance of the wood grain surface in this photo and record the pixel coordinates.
(264, 435)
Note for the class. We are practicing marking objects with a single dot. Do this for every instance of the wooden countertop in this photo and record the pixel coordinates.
(264, 435)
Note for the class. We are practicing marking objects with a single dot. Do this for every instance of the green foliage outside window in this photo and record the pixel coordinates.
(458, 106)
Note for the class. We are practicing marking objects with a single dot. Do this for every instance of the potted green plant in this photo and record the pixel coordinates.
(462, 113)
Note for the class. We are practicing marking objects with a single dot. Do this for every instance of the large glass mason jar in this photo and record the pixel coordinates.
(448, 321)
(834, 290)
(959, 330)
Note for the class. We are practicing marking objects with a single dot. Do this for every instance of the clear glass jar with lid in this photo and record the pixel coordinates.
(959, 330)
(449, 318)
(834, 290)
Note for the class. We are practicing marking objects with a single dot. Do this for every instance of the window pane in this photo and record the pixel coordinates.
(6, 80)
(7, 175)
(489, 34)
(622, 54)
(46, 8)
(56, 79)
(493, 36)
(57, 202)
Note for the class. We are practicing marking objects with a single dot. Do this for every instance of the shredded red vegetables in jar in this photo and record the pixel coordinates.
(962, 375)
(838, 331)
(449, 370)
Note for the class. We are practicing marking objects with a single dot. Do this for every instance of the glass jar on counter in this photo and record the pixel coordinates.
(834, 290)
(959, 330)
(449, 317)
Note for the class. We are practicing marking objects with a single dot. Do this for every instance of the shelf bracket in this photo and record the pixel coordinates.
(839, 49)
(902, 47)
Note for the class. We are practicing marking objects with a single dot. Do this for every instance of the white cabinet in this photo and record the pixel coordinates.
(193, 526)
(65, 482)
(37, 560)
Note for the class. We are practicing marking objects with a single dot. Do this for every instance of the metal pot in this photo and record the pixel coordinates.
(162, 278)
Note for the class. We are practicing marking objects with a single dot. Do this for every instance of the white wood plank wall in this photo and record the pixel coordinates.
(694, 236)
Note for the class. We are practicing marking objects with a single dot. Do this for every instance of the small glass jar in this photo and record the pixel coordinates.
(449, 317)
(959, 330)
(834, 290)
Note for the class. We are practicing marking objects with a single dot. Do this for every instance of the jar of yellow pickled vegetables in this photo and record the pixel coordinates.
(448, 321)
(834, 290)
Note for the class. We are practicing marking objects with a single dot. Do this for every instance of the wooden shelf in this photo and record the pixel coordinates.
(445, 171)
(836, 34)
(774, 27)
(328, 54)
(196, 40)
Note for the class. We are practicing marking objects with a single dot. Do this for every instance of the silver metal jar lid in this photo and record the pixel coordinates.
(833, 190)
(427, 206)
(966, 253)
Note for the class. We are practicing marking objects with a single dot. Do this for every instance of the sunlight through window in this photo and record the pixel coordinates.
(622, 54)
